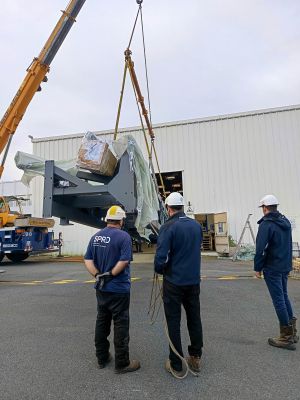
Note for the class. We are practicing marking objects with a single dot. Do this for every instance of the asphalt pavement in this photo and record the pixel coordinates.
(47, 318)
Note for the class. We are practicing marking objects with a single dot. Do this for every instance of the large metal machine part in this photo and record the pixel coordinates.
(73, 198)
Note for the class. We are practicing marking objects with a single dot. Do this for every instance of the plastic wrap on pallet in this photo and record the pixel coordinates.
(35, 166)
(246, 253)
(147, 201)
(95, 156)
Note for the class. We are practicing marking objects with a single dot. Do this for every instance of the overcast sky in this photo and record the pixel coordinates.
(204, 57)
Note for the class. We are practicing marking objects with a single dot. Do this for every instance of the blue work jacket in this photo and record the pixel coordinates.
(274, 243)
(178, 250)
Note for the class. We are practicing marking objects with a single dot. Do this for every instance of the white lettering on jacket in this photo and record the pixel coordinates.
(102, 239)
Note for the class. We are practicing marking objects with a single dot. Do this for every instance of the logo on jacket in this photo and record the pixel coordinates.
(102, 239)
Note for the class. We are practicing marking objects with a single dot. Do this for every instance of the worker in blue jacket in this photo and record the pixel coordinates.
(273, 258)
(177, 258)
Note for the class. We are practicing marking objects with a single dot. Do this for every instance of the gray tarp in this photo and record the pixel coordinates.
(147, 201)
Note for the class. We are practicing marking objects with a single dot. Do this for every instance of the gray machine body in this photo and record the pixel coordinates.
(73, 198)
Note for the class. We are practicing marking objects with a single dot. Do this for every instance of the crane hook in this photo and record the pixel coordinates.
(139, 2)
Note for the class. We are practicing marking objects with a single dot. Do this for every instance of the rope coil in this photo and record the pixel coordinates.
(156, 300)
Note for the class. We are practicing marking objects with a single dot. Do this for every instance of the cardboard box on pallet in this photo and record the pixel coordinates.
(296, 264)
(96, 156)
(34, 221)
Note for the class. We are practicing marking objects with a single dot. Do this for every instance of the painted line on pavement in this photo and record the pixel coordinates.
(61, 282)
(133, 279)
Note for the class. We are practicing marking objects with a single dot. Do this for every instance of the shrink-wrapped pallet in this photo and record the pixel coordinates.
(96, 156)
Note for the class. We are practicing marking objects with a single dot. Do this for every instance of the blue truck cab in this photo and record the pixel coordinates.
(18, 243)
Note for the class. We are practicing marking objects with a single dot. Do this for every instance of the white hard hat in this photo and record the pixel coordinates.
(269, 200)
(174, 199)
(115, 213)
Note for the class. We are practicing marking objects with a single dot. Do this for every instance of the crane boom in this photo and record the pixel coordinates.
(36, 74)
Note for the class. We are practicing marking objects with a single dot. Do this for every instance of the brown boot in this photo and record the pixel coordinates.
(133, 366)
(285, 340)
(293, 323)
(194, 363)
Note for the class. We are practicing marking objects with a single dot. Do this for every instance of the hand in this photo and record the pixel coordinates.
(258, 274)
(102, 279)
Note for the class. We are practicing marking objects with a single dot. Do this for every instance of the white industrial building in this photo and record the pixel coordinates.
(226, 164)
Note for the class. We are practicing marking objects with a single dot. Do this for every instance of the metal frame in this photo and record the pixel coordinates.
(73, 198)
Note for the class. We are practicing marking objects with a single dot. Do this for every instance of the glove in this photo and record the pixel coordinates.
(102, 279)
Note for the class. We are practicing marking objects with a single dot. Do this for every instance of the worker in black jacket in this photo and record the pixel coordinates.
(178, 260)
(273, 258)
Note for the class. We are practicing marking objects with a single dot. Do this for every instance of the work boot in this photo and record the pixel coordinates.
(194, 363)
(102, 364)
(293, 323)
(133, 366)
(285, 340)
(178, 374)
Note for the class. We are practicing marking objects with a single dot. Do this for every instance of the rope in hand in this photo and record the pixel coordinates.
(156, 300)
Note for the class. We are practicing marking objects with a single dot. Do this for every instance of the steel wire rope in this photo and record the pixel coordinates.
(134, 26)
(146, 67)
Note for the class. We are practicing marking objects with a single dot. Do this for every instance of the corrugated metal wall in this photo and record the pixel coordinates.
(228, 164)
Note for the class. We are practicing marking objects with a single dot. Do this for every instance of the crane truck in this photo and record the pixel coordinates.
(21, 235)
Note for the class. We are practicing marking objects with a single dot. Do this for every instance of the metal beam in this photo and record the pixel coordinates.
(48, 189)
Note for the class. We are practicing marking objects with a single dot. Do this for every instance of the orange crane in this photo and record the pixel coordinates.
(12, 239)
(36, 74)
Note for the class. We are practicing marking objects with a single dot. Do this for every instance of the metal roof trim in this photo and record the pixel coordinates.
(175, 123)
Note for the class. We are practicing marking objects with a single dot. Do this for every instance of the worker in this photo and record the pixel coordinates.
(177, 258)
(108, 259)
(273, 258)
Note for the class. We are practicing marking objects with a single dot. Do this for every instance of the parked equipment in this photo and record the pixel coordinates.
(22, 235)
(18, 243)
(36, 74)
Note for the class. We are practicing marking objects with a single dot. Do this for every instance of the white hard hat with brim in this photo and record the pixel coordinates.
(268, 200)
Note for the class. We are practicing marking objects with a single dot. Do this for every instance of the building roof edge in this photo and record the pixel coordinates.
(175, 123)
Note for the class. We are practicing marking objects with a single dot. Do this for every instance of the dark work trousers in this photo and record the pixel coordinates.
(113, 306)
(277, 285)
(174, 296)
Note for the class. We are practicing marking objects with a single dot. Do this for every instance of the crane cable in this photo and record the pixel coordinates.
(150, 149)
(153, 149)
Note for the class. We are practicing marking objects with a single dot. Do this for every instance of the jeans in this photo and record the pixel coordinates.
(174, 296)
(277, 285)
(112, 306)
